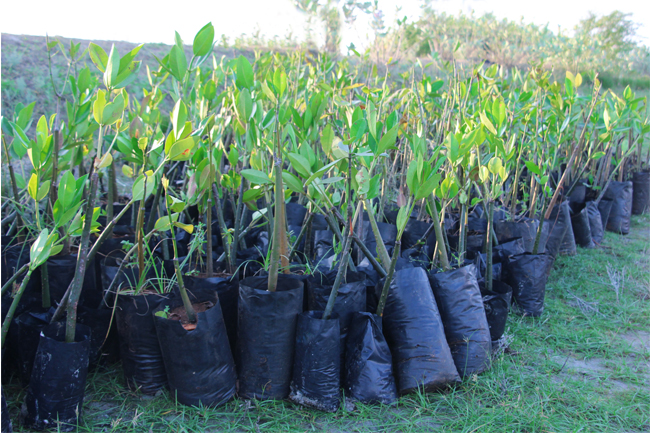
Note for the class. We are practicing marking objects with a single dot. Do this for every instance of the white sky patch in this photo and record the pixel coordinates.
(147, 21)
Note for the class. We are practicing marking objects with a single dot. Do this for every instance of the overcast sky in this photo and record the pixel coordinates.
(146, 21)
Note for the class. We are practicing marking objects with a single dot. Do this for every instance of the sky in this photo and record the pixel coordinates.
(146, 21)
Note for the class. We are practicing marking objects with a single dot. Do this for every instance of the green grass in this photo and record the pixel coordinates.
(581, 366)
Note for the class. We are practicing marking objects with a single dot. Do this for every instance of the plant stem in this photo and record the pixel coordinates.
(381, 248)
(208, 230)
(389, 279)
(82, 261)
(343, 265)
(14, 185)
(189, 309)
(230, 261)
(140, 234)
(488, 270)
(14, 305)
(191, 314)
(442, 250)
(308, 217)
(538, 236)
(46, 302)
(14, 277)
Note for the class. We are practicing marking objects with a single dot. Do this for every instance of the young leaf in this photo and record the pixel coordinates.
(292, 181)
(181, 150)
(203, 41)
(177, 62)
(98, 56)
(245, 77)
(300, 164)
(256, 177)
(402, 219)
(486, 122)
(388, 139)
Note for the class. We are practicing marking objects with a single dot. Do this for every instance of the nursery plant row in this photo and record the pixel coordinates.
(297, 226)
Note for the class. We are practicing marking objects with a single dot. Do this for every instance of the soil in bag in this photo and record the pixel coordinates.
(56, 389)
(198, 361)
(640, 192)
(227, 288)
(413, 233)
(580, 225)
(525, 228)
(368, 362)
(316, 368)
(527, 275)
(619, 217)
(323, 248)
(387, 232)
(23, 338)
(104, 344)
(497, 305)
(461, 307)
(595, 222)
(568, 244)
(558, 224)
(605, 208)
(415, 334)
(267, 336)
(351, 298)
(142, 360)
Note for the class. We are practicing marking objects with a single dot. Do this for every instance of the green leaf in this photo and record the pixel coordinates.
(106, 160)
(402, 218)
(388, 139)
(327, 137)
(67, 189)
(177, 62)
(486, 122)
(449, 188)
(162, 224)
(534, 168)
(280, 81)
(32, 186)
(321, 171)
(146, 179)
(375, 187)
(40, 250)
(245, 105)
(203, 40)
(371, 114)
(495, 165)
(268, 92)
(256, 177)
(252, 194)
(189, 228)
(411, 176)
(43, 190)
(98, 56)
(112, 68)
(179, 117)
(182, 149)
(300, 164)
(245, 77)
(363, 181)
(98, 106)
(292, 182)
(425, 189)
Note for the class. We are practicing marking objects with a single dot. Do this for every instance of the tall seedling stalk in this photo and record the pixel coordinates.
(187, 304)
(280, 247)
(105, 114)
